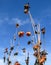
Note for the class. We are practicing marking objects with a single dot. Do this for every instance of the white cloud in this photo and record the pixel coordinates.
(19, 21)
(1, 62)
(13, 21)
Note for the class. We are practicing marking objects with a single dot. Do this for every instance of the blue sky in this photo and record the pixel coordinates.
(12, 12)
